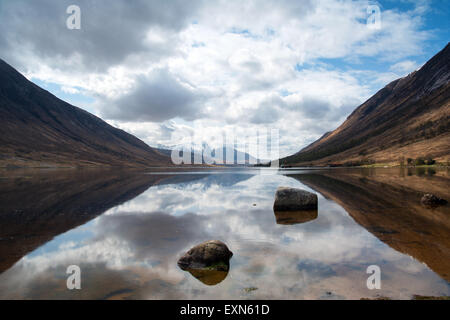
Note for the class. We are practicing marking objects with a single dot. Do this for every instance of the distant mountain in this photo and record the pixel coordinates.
(38, 129)
(409, 118)
(239, 157)
(218, 156)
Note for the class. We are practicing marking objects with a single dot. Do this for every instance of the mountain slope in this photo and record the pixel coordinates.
(38, 129)
(409, 118)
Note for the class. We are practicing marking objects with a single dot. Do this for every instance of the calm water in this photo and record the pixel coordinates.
(126, 231)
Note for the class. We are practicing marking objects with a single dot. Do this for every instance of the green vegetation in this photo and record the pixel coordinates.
(378, 165)
(430, 161)
(359, 163)
(427, 161)
(419, 162)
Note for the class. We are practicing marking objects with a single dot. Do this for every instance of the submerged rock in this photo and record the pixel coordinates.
(291, 199)
(209, 255)
(295, 217)
(430, 200)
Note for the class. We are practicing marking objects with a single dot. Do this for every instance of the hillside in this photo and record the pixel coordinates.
(39, 130)
(409, 118)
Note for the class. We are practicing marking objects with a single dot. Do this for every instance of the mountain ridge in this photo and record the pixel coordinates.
(39, 129)
(399, 121)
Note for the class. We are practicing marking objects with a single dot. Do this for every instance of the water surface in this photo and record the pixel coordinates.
(126, 231)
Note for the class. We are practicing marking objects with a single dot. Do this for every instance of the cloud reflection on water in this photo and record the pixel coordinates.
(132, 249)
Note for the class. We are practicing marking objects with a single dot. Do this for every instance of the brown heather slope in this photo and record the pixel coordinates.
(409, 118)
(38, 129)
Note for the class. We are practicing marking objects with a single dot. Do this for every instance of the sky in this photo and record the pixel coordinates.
(167, 70)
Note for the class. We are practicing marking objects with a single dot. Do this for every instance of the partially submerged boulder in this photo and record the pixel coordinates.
(209, 255)
(292, 199)
(430, 200)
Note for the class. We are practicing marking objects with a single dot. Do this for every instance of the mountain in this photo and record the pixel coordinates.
(37, 129)
(239, 157)
(409, 118)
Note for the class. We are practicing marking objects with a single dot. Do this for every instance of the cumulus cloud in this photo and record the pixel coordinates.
(110, 31)
(268, 111)
(404, 67)
(313, 108)
(155, 97)
(221, 65)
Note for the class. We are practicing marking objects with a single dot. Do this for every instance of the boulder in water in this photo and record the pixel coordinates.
(430, 200)
(292, 199)
(209, 255)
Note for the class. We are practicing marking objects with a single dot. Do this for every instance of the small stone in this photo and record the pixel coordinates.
(430, 200)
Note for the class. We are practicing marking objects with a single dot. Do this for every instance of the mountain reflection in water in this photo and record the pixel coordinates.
(294, 217)
(126, 231)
